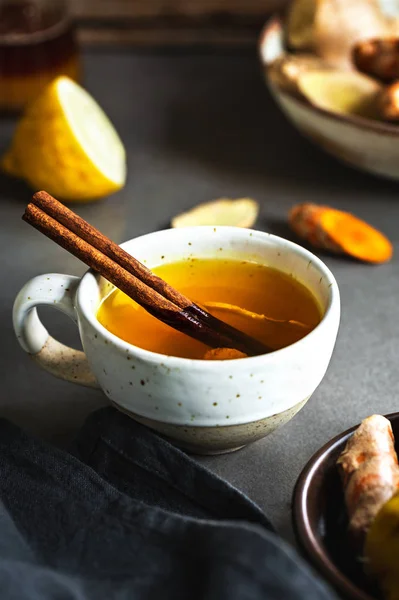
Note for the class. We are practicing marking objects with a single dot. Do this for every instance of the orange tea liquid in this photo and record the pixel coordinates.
(250, 286)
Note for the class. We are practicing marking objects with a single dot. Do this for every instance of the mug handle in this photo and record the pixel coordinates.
(62, 361)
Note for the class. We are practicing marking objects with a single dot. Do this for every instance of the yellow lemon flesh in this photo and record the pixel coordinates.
(65, 144)
(340, 92)
(382, 548)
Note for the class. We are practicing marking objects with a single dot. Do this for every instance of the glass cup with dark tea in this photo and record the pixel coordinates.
(37, 44)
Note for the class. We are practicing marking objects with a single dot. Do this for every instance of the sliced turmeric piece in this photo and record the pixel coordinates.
(223, 354)
(339, 232)
(242, 212)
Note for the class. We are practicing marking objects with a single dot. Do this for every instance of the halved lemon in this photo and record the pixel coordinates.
(65, 144)
(340, 92)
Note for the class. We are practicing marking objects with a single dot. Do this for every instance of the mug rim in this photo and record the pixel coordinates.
(178, 361)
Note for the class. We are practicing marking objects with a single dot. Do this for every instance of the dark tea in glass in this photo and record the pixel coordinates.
(37, 43)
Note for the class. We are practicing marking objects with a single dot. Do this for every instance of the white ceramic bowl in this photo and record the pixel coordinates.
(205, 406)
(369, 145)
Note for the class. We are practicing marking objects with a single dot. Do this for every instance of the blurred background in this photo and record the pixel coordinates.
(157, 22)
(40, 39)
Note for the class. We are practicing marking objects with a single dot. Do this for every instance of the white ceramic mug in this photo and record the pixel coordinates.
(205, 406)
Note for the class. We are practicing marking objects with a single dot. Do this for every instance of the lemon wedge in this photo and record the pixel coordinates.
(340, 92)
(242, 212)
(382, 547)
(65, 144)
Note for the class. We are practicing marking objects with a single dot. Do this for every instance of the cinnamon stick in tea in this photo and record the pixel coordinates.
(98, 240)
(167, 304)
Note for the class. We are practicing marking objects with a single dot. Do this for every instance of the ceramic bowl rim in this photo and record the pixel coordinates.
(305, 532)
(275, 25)
(333, 303)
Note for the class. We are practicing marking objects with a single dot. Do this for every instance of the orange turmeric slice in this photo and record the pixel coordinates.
(223, 354)
(340, 232)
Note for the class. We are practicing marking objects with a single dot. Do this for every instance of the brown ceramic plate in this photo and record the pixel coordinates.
(320, 520)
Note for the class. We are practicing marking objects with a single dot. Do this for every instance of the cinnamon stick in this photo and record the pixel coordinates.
(98, 240)
(160, 306)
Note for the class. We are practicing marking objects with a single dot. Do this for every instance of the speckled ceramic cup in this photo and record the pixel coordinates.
(207, 407)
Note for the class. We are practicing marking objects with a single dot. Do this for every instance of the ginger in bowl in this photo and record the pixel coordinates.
(333, 68)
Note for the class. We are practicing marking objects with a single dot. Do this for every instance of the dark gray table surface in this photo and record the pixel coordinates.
(199, 126)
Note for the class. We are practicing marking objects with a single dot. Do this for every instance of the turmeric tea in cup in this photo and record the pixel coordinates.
(262, 284)
(261, 301)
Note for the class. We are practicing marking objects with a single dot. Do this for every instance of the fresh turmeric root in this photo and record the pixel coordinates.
(339, 232)
(370, 473)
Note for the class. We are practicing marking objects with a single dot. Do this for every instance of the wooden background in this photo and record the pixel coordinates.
(172, 22)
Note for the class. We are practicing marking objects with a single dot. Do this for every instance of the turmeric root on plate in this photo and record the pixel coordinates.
(370, 473)
(330, 28)
(339, 232)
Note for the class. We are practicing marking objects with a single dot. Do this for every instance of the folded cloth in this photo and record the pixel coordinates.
(125, 515)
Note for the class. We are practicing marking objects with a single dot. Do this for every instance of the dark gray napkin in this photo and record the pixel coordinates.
(125, 516)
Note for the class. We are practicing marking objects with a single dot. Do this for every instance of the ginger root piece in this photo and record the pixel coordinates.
(330, 28)
(339, 24)
(242, 212)
(388, 102)
(370, 473)
(378, 58)
(223, 354)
